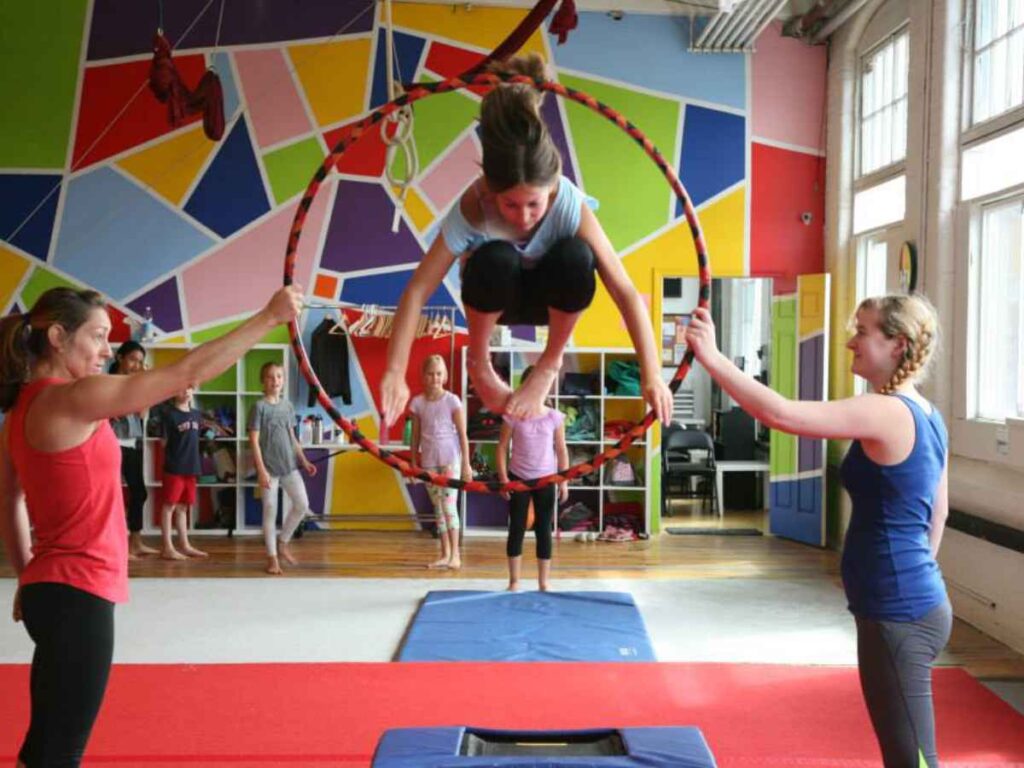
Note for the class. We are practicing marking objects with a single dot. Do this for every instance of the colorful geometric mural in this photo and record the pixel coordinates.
(98, 189)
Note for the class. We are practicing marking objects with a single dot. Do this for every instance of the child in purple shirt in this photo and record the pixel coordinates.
(439, 444)
(538, 449)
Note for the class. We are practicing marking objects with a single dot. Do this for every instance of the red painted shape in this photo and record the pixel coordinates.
(106, 91)
(363, 158)
(372, 354)
(450, 61)
(752, 715)
(120, 332)
(785, 185)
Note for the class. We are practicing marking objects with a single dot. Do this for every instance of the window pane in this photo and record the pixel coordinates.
(879, 205)
(899, 139)
(872, 264)
(992, 166)
(998, 58)
(999, 312)
(883, 123)
(983, 23)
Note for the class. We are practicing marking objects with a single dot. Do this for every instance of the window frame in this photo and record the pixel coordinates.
(970, 130)
(862, 179)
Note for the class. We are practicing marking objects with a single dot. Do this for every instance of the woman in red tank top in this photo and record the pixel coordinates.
(61, 508)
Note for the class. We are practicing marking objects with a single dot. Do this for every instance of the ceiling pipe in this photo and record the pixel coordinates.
(834, 23)
(708, 30)
(749, 15)
(743, 39)
(770, 13)
(713, 40)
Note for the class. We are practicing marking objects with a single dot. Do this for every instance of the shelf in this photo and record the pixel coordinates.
(623, 397)
(213, 393)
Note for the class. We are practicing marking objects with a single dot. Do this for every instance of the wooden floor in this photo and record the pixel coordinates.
(404, 555)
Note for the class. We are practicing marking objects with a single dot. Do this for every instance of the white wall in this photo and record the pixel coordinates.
(986, 582)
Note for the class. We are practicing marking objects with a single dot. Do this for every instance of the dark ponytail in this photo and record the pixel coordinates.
(25, 338)
(517, 147)
(123, 351)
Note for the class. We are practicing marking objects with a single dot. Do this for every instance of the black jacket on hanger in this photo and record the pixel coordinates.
(328, 355)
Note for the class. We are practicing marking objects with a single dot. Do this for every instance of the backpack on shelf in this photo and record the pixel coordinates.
(622, 472)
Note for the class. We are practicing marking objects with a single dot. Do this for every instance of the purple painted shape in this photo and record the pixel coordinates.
(163, 302)
(553, 118)
(121, 28)
(812, 380)
(359, 236)
(486, 510)
(421, 504)
(526, 332)
(316, 486)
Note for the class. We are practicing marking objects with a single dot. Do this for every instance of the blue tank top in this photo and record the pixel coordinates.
(888, 569)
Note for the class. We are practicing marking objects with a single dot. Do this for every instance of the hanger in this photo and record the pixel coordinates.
(340, 327)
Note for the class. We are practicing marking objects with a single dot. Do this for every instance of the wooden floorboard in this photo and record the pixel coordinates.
(365, 554)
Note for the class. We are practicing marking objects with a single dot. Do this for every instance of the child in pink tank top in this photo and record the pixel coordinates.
(439, 444)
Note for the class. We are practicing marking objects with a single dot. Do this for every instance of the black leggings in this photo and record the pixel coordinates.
(74, 636)
(131, 471)
(543, 515)
(895, 662)
(495, 280)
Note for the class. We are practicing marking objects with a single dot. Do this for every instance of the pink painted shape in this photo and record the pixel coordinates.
(241, 276)
(270, 95)
(452, 174)
(788, 84)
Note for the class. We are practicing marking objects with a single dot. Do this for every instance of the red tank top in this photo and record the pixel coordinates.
(75, 506)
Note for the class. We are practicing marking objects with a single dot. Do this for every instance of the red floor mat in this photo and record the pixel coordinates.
(753, 715)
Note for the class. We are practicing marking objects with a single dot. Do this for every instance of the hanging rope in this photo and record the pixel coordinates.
(396, 131)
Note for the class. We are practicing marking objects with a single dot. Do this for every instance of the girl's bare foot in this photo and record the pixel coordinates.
(285, 552)
(513, 586)
(488, 384)
(273, 566)
(544, 587)
(136, 546)
(132, 555)
(171, 554)
(193, 552)
(528, 401)
(454, 564)
(438, 564)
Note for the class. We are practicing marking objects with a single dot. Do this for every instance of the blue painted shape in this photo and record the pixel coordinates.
(20, 193)
(473, 625)
(116, 237)
(386, 288)
(408, 48)
(437, 747)
(222, 64)
(797, 511)
(714, 153)
(651, 52)
(231, 192)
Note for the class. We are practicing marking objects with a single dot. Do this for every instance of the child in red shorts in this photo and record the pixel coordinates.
(181, 469)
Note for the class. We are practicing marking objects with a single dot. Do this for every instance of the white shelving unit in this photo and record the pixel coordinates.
(488, 513)
(228, 504)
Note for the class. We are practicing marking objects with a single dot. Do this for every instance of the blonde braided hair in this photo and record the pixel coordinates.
(914, 318)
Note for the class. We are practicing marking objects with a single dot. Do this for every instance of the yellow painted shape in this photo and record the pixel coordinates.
(418, 209)
(170, 167)
(13, 267)
(812, 303)
(368, 426)
(334, 76)
(671, 253)
(174, 340)
(364, 485)
(474, 25)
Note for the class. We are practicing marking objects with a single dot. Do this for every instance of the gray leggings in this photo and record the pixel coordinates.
(895, 660)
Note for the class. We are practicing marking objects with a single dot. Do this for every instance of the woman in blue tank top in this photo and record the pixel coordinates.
(896, 475)
(530, 248)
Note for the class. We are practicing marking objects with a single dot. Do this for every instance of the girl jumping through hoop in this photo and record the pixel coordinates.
(529, 247)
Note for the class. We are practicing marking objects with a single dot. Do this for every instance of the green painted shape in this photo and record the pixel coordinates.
(38, 77)
(226, 382)
(254, 360)
(654, 491)
(437, 122)
(41, 281)
(289, 168)
(782, 447)
(634, 197)
(277, 336)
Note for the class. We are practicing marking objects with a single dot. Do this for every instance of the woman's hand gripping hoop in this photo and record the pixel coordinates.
(422, 91)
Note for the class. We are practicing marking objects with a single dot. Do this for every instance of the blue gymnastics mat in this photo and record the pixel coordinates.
(609, 748)
(464, 625)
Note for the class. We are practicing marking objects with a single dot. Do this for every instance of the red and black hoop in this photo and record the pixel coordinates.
(422, 91)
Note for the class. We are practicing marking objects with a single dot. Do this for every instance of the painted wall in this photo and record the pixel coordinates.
(97, 189)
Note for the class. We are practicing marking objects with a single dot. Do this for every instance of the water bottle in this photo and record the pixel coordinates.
(305, 432)
(318, 430)
(148, 329)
